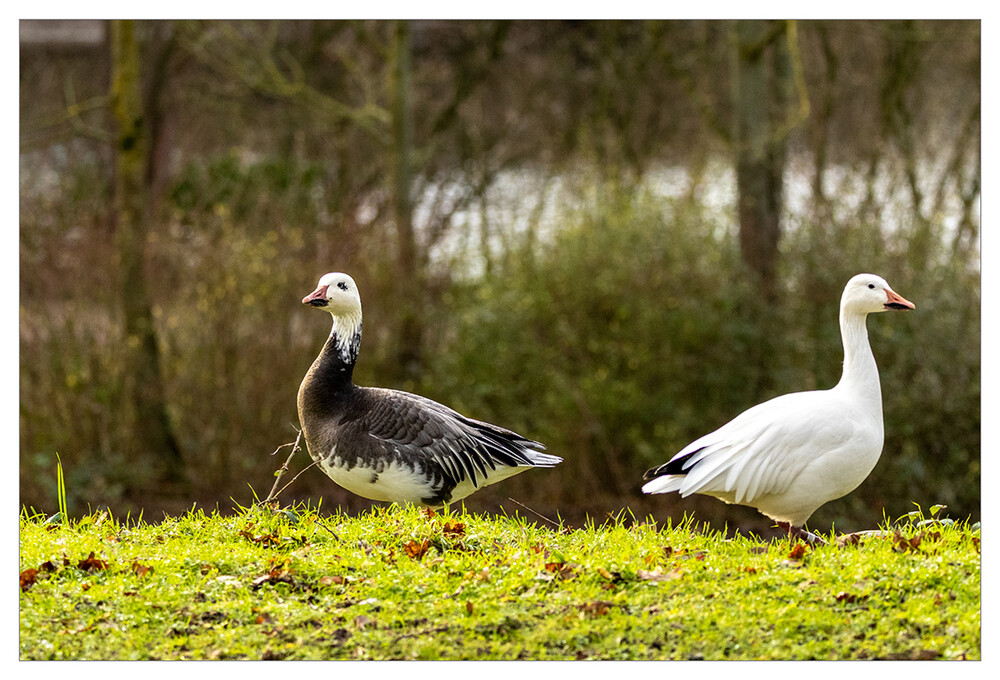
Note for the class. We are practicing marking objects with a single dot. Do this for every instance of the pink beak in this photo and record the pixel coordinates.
(895, 301)
(317, 298)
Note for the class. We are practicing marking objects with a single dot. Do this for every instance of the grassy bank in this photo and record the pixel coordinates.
(401, 583)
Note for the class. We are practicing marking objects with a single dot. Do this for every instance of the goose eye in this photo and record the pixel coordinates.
(872, 286)
(341, 285)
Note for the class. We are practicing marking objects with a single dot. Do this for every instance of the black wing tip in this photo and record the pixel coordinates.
(674, 466)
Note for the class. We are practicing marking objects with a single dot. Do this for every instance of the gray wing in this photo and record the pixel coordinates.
(463, 448)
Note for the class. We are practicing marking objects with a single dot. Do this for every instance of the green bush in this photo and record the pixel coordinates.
(616, 337)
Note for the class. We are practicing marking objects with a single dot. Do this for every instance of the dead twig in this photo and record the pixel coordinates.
(295, 477)
(284, 468)
(555, 524)
(319, 522)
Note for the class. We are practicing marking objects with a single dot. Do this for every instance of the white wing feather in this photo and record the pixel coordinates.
(761, 451)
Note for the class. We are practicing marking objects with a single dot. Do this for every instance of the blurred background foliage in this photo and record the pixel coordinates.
(552, 225)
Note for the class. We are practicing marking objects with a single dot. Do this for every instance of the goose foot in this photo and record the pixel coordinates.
(799, 532)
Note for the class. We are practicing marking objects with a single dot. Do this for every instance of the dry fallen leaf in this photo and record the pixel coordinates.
(140, 569)
(561, 569)
(417, 550)
(595, 609)
(658, 575)
(797, 552)
(849, 598)
(903, 544)
(263, 540)
(91, 563)
(28, 578)
(456, 529)
(275, 575)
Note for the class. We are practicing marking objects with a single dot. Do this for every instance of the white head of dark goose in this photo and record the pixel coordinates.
(790, 455)
(389, 445)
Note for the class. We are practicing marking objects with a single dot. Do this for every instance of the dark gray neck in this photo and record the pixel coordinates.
(328, 381)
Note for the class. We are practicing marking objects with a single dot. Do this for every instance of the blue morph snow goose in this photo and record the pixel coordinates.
(790, 455)
(389, 445)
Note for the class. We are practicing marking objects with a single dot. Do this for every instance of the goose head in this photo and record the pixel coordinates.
(868, 293)
(337, 294)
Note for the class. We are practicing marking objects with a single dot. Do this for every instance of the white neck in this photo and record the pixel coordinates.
(346, 332)
(860, 372)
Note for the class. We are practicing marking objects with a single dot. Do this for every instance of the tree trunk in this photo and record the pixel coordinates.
(408, 279)
(761, 82)
(132, 198)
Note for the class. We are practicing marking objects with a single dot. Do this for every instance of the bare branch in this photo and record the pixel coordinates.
(284, 467)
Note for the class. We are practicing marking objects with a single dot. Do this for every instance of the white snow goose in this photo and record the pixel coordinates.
(790, 455)
(389, 445)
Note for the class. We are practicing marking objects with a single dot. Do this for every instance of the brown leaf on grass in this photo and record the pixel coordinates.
(902, 544)
(361, 622)
(975, 544)
(140, 569)
(91, 563)
(468, 607)
(28, 578)
(698, 555)
(417, 550)
(615, 577)
(749, 570)
(849, 598)
(47, 565)
(797, 552)
(456, 529)
(849, 539)
(276, 575)
(332, 580)
(913, 655)
(595, 608)
(658, 575)
(263, 617)
(561, 570)
(429, 512)
(263, 540)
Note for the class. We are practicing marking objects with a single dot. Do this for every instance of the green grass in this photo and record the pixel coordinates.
(396, 583)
